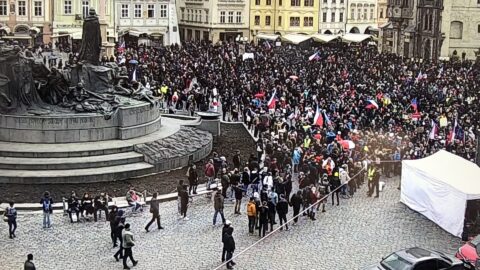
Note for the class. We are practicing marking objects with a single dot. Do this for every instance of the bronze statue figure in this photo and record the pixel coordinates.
(91, 39)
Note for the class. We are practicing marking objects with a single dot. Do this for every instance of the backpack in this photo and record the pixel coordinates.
(46, 205)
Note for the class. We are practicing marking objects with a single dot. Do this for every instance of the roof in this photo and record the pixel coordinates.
(296, 38)
(417, 254)
(410, 28)
(268, 36)
(356, 38)
(452, 170)
(324, 38)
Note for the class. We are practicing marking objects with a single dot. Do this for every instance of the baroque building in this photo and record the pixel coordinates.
(332, 16)
(413, 29)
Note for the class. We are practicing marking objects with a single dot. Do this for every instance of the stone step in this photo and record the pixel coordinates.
(16, 163)
(66, 150)
(90, 175)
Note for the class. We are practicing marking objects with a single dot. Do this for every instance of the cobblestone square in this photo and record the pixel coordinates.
(355, 234)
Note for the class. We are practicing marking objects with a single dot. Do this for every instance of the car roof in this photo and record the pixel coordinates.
(417, 254)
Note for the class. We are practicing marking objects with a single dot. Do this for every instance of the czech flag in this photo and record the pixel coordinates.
(267, 44)
(327, 120)
(318, 120)
(414, 104)
(434, 131)
(272, 101)
(122, 47)
(314, 57)
(451, 135)
(372, 104)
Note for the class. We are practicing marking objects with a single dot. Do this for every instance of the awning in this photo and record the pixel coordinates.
(271, 37)
(35, 29)
(386, 25)
(324, 38)
(17, 37)
(76, 35)
(296, 38)
(6, 29)
(355, 38)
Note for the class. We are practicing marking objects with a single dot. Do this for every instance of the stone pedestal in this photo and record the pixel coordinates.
(210, 122)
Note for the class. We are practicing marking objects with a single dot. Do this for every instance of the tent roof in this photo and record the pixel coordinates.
(452, 170)
(268, 36)
(356, 38)
(296, 38)
(324, 37)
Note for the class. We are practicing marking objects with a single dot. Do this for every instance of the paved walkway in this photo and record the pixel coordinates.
(357, 233)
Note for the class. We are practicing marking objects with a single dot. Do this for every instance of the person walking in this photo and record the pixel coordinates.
(225, 228)
(29, 265)
(111, 219)
(119, 227)
(262, 230)
(282, 210)
(184, 202)
(218, 205)
(154, 209)
(192, 179)
(296, 202)
(229, 246)
(252, 214)
(238, 191)
(11, 214)
(179, 198)
(128, 243)
(47, 206)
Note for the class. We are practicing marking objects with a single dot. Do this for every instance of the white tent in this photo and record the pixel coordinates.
(355, 38)
(439, 187)
(324, 38)
(271, 37)
(295, 38)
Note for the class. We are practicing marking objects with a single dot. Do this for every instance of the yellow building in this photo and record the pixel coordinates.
(68, 20)
(283, 17)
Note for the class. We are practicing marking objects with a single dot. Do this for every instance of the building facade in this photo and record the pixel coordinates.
(150, 22)
(332, 16)
(382, 12)
(68, 21)
(26, 21)
(214, 20)
(461, 26)
(362, 16)
(284, 16)
(413, 28)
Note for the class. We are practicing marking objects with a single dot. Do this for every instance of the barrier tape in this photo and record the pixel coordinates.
(299, 214)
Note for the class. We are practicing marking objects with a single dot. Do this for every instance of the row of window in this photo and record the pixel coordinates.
(138, 10)
(294, 21)
(228, 17)
(22, 8)
(362, 16)
(293, 3)
(195, 15)
(332, 17)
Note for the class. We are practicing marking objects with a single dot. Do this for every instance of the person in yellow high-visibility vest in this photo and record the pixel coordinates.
(306, 142)
(373, 176)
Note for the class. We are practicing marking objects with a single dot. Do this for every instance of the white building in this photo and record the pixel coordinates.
(362, 16)
(461, 26)
(214, 20)
(149, 22)
(332, 16)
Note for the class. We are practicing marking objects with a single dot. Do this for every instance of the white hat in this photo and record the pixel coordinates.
(228, 222)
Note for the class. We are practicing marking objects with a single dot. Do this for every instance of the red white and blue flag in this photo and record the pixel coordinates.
(267, 44)
(122, 47)
(272, 101)
(372, 104)
(434, 131)
(318, 119)
(414, 104)
(314, 57)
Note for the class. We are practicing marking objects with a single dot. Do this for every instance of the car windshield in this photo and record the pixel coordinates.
(394, 262)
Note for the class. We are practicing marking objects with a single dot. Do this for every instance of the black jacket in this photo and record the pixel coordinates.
(229, 242)
(296, 201)
(282, 207)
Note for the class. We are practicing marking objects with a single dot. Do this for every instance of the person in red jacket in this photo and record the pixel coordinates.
(209, 172)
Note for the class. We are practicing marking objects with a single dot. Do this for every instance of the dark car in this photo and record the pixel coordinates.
(417, 258)
(470, 252)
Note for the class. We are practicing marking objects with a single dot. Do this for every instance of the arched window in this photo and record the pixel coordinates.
(21, 29)
(456, 30)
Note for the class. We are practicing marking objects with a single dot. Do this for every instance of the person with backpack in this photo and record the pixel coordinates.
(47, 206)
(229, 246)
(11, 214)
(111, 218)
(29, 265)
(119, 226)
(282, 210)
(226, 227)
(154, 209)
(296, 201)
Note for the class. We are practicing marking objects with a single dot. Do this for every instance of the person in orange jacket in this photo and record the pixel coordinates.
(251, 213)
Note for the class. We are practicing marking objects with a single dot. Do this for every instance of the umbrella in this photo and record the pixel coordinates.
(293, 77)
(347, 144)
(133, 61)
(260, 95)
